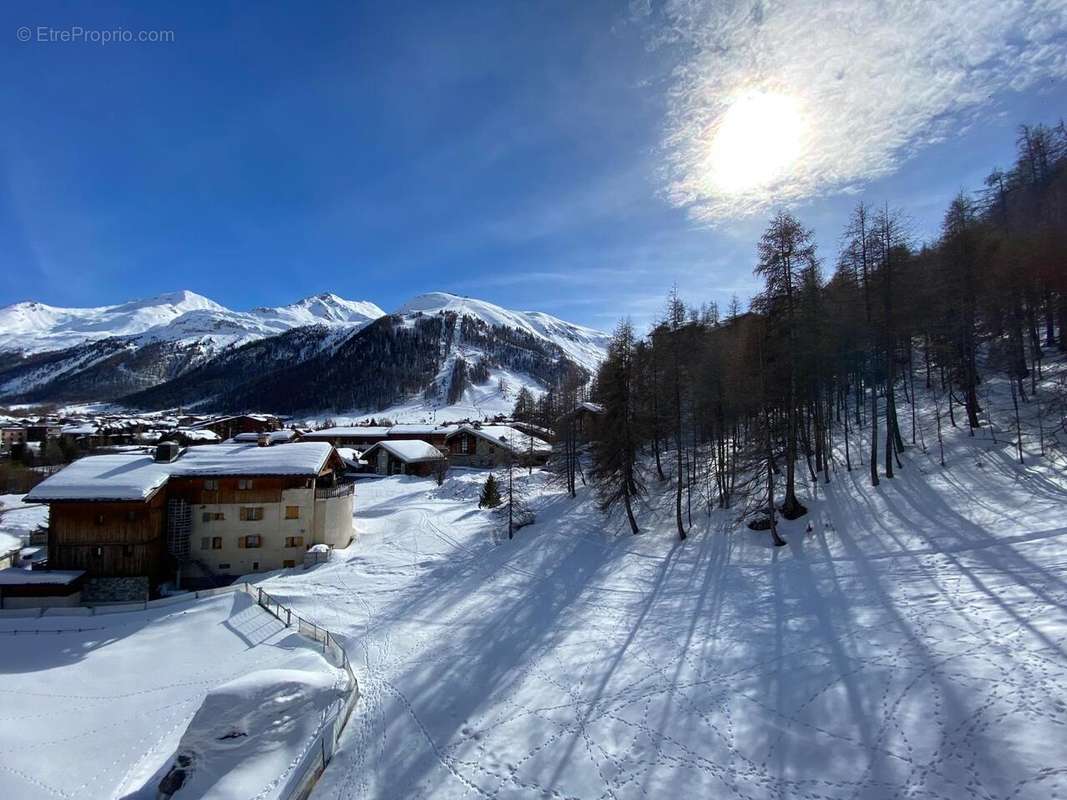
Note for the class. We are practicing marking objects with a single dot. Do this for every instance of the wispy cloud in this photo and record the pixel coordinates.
(874, 82)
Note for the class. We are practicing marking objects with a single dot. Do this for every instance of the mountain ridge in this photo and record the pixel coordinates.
(320, 352)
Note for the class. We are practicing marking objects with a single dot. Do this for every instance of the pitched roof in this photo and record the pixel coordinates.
(130, 477)
(409, 450)
(16, 576)
(507, 437)
(351, 431)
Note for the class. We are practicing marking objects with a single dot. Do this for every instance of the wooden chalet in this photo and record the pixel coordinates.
(495, 445)
(404, 457)
(228, 427)
(130, 520)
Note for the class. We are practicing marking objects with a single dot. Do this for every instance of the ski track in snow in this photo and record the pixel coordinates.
(913, 645)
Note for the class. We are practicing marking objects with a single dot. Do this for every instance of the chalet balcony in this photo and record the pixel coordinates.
(330, 492)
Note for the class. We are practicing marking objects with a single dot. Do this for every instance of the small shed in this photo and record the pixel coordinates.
(34, 588)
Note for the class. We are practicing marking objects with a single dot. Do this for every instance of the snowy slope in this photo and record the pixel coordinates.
(584, 346)
(911, 645)
(95, 706)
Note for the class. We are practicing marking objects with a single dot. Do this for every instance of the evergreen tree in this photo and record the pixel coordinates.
(490, 497)
(615, 470)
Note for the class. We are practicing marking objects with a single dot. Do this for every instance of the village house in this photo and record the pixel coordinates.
(132, 521)
(273, 437)
(404, 457)
(42, 431)
(494, 446)
(228, 427)
(11, 436)
(584, 419)
(362, 437)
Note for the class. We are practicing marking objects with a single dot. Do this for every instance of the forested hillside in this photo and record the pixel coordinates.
(840, 343)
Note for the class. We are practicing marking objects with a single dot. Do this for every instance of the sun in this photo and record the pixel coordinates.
(757, 141)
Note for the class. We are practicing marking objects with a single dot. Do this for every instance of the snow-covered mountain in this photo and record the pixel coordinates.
(584, 346)
(49, 353)
(439, 355)
(436, 352)
(31, 327)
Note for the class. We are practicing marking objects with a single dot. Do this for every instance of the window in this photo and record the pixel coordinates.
(251, 513)
(213, 516)
(255, 566)
(211, 484)
(98, 551)
(224, 566)
(205, 542)
(288, 563)
(250, 541)
(216, 543)
(99, 519)
(244, 483)
(294, 541)
(131, 516)
(292, 512)
(465, 444)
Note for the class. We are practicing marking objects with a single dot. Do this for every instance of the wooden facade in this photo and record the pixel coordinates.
(212, 491)
(109, 539)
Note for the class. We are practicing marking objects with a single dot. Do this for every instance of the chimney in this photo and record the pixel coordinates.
(263, 440)
(167, 452)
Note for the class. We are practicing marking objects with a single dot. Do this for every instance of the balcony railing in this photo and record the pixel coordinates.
(341, 490)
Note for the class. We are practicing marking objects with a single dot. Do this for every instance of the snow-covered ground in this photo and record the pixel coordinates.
(95, 707)
(18, 520)
(911, 645)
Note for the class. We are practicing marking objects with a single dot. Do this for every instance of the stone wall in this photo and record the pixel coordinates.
(115, 590)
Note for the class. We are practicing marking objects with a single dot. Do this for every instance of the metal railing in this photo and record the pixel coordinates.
(302, 776)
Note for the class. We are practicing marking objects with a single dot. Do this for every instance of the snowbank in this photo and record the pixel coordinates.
(250, 732)
(95, 707)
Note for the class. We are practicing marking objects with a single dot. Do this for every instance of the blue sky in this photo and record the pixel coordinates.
(539, 155)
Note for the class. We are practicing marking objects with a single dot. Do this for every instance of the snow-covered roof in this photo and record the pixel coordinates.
(137, 477)
(216, 420)
(107, 477)
(198, 434)
(16, 576)
(351, 456)
(409, 450)
(85, 429)
(415, 429)
(507, 437)
(274, 437)
(299, 458)
(349, 431)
